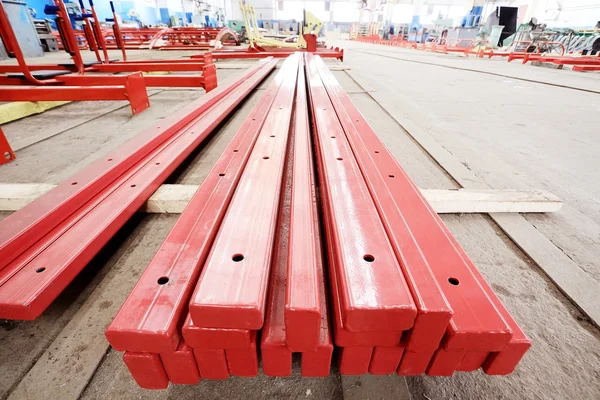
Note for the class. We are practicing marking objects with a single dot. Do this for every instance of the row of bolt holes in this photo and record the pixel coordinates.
(163, 280)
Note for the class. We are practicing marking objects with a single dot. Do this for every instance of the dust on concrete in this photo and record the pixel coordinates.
(564, 361)
(113, 381)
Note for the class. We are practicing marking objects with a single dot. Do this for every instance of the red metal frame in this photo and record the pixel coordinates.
(104, 209)
(131, 88)
(180, 365)
(147, 370)
(243, 264)
(6, 152)
(373, 292)
(287, 278)
(302, 308)
(212, 363)
(184, 251)
(478, 326)
(434, 312)
(48, 211)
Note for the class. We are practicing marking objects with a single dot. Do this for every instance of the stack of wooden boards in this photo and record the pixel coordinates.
(307, 232)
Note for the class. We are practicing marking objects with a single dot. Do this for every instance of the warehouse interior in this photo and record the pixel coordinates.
(260, 199)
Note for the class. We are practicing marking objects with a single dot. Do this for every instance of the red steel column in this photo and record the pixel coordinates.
(23, 228)
(150, 317)
(47, 273)
(373, 292)
(232, 289)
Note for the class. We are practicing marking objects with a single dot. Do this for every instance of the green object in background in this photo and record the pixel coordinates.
(235, 25)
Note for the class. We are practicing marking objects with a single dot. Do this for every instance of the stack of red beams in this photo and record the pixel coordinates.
(47, 243)
(246, 257)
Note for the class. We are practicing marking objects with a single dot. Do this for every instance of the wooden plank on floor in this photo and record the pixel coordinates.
(172, 199)
(572, 280)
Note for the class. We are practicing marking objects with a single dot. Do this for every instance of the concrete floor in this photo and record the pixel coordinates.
(514, 126)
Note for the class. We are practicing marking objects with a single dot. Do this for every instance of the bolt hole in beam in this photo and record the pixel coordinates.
(235, 151)
(237, 257)
(339, 158)
(110, 159)
(221, 174)
(368, 258)
(163, 280)
(7, 155)
(42, 269)
(265, 158)
(453, 281)
(333, 137)
(133, 185)
(392, 176)
(73, 183)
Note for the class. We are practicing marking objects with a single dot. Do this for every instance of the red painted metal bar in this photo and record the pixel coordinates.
(373, 292)
(479, 325)
(180, 365)
(583, 68)
(147, 370)
(472, 361)
(132, 90)
(354, 360)
(233, 54)
(243, 362)
(186, 248)
(385, 360)
(302, 295)
(344, 338)
(216, 338)
(148, 67)
(434, 312)
(276, 356)
(22, 229)
(212, 363)
(29, 291)
(577, 61)
(149, 80)
(6, 152)
(444, 363)
(414, 362)
(240, 259)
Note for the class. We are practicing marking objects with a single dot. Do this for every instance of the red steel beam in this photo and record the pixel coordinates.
(414, 362)
(180, 365)
(22, 229)
(243, 362)
(184, 251)
(147, 370)
(149, 80)
(354, 360)
(583, 68)
(291, 273)
(148, 67)
(6, 152)
(216, 338)
(275, 354)
(385, 360)
(479, 324)
(232, 289)
(212, 363)
(133, 89)
(373, 293)
(302, 299)
(233, 54)
(47, 273)
(434, 312)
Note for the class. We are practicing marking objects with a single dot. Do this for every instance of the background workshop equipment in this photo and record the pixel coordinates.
(329, 199)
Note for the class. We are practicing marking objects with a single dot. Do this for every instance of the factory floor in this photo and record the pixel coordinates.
(513, 126)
